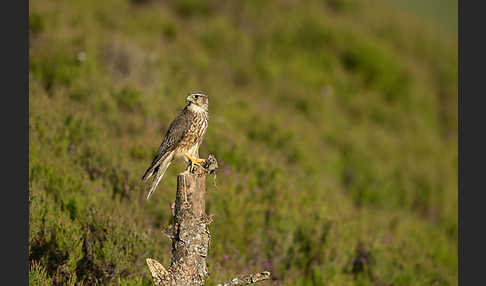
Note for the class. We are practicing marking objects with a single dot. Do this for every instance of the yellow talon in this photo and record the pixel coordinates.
(194, 161)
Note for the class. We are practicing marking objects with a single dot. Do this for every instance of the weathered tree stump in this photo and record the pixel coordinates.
(190, 234)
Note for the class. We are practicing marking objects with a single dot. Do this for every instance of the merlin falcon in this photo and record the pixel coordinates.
(182, 139)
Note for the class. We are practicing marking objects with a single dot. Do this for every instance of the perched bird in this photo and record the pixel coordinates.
(183, 138)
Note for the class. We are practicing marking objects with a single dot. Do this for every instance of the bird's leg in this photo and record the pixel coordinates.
(194, 161)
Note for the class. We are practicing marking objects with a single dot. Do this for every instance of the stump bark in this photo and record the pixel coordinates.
(190, 233)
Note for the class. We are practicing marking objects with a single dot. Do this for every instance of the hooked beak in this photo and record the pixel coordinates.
(189, 98)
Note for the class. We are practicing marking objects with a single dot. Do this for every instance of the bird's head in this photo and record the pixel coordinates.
(198, 100)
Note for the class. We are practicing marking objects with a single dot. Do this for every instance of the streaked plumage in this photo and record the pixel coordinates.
(184, 136)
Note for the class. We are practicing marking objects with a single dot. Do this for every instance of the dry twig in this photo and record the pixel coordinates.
(247, 279)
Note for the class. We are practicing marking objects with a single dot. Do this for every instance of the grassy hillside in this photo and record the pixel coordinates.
(335, 123)
(441, 12)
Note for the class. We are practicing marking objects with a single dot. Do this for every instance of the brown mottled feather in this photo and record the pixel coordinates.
(184, 135)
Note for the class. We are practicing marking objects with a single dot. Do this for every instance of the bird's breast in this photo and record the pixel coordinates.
(195, 133)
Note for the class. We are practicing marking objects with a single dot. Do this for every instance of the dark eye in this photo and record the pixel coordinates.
(196, 96)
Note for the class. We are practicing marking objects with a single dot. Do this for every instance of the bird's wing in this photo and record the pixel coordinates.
(176, 131)
(174, 134)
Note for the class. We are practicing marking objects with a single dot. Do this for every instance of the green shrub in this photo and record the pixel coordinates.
(189, 8)
(342, 5)
(379, 70)
(36, 22)
(80, 94)
(170, 32)
(128, 99)
(38, 275)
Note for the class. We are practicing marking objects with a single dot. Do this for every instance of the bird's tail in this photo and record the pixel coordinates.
(158, 169)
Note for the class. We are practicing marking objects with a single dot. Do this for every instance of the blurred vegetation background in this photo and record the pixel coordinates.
(335, 123)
